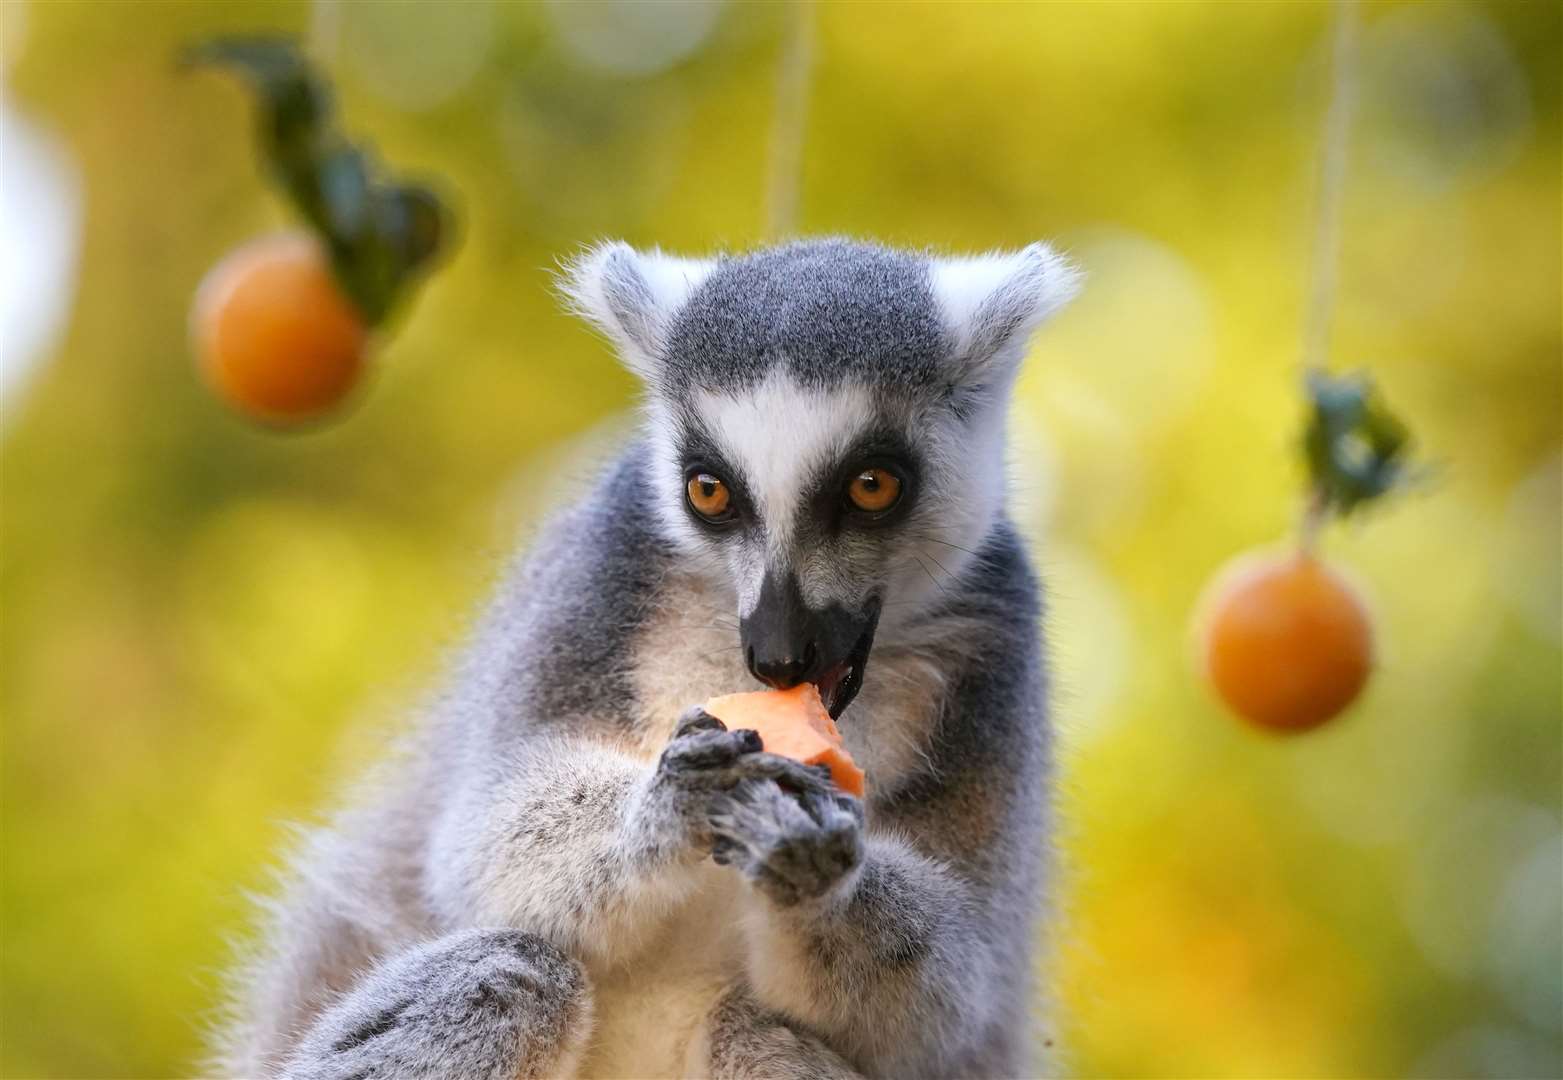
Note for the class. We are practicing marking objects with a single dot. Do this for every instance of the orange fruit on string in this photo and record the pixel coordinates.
(1286, 641)
(274, 334)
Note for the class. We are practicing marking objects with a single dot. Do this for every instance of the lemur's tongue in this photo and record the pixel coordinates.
(830, 686)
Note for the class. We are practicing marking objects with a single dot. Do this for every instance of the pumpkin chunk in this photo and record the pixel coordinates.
(794, 724)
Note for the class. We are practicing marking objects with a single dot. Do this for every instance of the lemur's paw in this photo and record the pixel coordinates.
(793, 835)
(703, 754)
(701, 743)
(492, 1004)
(700, 762)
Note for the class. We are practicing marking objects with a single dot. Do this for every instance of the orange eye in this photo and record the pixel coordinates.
(874, 490)
(709, 496)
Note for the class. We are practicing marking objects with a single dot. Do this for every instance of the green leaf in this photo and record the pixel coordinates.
(1356, 447)
(417, 221)
(296, 106)
(380, 234)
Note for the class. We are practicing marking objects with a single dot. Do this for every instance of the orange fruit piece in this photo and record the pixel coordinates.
(793, 723)
(1287, 642)
(274, 334)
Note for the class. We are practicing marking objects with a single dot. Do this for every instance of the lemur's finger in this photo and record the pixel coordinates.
(758, 815)
(728, 819)
(794, 776)
(840, 847)
(832, 808)
(707, 750)
(695, 719)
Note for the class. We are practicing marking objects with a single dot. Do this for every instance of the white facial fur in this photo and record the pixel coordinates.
(778, 434)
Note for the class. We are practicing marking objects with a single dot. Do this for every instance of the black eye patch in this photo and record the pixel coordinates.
(699, 454)
(830, 508)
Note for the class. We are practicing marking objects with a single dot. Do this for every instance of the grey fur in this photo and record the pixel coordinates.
(824, 310)
(748, 1043)
(483, 1004)
(534, 867)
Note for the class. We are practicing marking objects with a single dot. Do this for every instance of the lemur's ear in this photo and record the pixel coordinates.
(632, 296)
(992, 304)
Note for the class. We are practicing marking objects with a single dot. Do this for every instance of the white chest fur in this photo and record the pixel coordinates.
(651, 1011)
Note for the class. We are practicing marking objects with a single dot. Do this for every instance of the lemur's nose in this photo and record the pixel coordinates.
(781, 639)
(781, 672)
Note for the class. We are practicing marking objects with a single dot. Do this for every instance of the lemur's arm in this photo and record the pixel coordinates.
(585, 845)
(889, 960)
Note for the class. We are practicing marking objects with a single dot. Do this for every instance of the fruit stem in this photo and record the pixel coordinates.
(1316, 512)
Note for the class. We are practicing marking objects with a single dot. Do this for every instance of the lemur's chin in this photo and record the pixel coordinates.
(839, 685)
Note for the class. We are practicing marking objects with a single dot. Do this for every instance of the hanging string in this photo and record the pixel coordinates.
(325, 30)
(1326, 237)
(792, 105)
(1332, 175)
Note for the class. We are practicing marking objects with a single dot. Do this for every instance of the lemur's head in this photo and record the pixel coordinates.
(827, 424)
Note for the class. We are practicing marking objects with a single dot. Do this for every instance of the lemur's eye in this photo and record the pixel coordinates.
(709, 496)
(874, 490)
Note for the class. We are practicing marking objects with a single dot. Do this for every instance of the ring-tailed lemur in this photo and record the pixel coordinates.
(567, 870)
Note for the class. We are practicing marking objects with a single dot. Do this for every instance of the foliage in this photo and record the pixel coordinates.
(1355, 446)
(379, 234)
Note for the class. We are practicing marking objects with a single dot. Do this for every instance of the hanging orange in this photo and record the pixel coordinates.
(274, 334)
(1287, 642)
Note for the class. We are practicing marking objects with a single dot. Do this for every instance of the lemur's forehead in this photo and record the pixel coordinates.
(826, 313)
(779, 435)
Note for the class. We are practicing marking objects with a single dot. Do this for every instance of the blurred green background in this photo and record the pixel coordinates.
(199, 616)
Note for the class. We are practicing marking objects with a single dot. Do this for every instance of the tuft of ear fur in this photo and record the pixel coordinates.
(632, 297)
(993, 303)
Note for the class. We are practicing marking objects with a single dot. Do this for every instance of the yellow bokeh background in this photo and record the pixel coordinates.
(202, 619)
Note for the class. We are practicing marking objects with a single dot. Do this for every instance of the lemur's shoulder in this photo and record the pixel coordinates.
(1001, 583)
(556, 647)
(987, 747)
